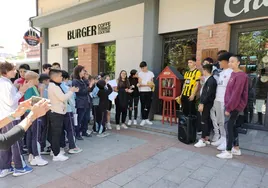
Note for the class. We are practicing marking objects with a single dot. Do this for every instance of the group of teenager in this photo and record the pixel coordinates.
(218, 94)
(71, 100)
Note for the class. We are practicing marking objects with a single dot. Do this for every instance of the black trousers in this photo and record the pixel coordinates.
(206, 120)
(146, 101)
(232, 133)
(120, 111)
(55, 131)
(188, 107)
(101, 118)
(68, 128)
(132, 100)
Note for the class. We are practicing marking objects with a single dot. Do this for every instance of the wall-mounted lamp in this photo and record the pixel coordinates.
(210, 33)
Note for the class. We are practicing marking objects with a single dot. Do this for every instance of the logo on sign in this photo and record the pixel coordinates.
(231, 10)
(166, 73)
(89, 31)
(256, 5)
(31, 38)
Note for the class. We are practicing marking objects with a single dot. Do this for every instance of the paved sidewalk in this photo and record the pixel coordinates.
(138, 159)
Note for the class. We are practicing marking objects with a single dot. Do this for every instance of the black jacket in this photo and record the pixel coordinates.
(208, 94)
(134, 82)
(82, 96)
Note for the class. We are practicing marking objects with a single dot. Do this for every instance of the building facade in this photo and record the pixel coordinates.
(161, 32)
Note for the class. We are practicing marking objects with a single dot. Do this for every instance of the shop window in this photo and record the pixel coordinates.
(72, 59)
(107, 58)
(253, 46)
(178, 48)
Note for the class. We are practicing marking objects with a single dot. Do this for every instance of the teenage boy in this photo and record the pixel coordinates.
(68, 124)
(235, 101)
(43, 89)
(9, 100)
(34, 132)
(58, 101)
(46, 68)
(208, 93)
(217, 111)
(190, 88)
(146, 83)
(56, 65)
(20, 81)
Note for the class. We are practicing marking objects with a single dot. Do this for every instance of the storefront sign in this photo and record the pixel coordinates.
(89, 31)
(231, 10)
(31, 37)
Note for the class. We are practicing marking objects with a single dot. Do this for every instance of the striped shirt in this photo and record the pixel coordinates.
(191, 78)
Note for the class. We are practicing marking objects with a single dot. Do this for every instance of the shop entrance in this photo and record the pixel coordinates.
(251, 41)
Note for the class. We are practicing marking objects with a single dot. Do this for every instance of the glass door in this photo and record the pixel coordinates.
(251, 42)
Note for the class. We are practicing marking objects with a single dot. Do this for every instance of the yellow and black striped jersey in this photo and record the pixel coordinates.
(190, 80)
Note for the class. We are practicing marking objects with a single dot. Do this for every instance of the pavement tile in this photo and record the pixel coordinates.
(228, 173)
(163, 183)
(235, 164)
(220, 183)
(136, 184)
(132, 173)
(178, 175)
(194, 163)
(152, 176)
(107, 184)
(165, 155)
(191, 183)
(264, 181)
(214, 162)
(173, 162)
(204, 174)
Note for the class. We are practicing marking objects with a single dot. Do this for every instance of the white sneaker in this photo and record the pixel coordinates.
(6, 172)
(62, 151)
(148, 122)
(51, 153)
(38, 161)
(75, 150)
(222, 147)
(216, 137)
(30, 158)
(102, 135)
(118, 127)
(200, 144)
(124, 126)
(225, 155)
(218, 142)
(60, 157)
(142, 123)
(109, 126)
(207, 142)
(129, 122)
(135, 122)
(236, 152)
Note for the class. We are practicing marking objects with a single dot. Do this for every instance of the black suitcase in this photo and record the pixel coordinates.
(187, 129)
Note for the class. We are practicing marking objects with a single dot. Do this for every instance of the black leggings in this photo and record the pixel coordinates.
(132, 100)
(232, 136)
(146, 100)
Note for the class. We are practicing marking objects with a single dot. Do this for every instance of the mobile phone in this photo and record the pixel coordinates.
(36, 100)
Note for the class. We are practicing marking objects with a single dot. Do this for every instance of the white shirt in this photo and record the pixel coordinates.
(9, 97)
(222, 84)
(145, 78)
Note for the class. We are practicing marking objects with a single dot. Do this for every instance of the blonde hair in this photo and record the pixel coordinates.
(31, 75)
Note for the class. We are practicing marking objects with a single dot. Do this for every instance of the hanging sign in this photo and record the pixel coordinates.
(31, 38)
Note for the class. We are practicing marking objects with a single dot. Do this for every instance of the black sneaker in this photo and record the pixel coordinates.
(79, 138)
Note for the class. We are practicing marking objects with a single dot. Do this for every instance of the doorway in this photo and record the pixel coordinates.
(250, 40)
